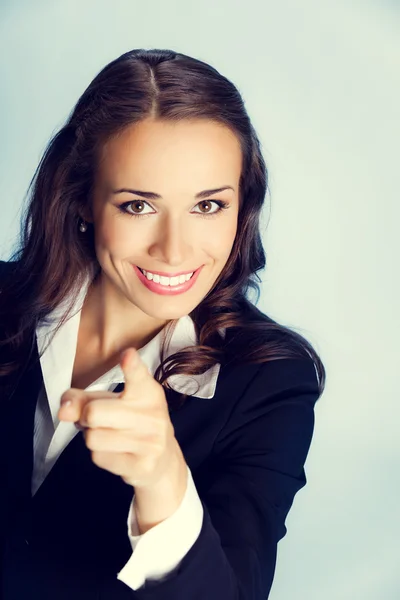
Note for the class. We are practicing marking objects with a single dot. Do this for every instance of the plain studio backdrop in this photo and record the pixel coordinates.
(321, 84)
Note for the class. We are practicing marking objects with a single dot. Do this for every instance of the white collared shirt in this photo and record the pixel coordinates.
(178, 533)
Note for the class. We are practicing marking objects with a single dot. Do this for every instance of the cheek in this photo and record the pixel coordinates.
(220, 244)
(115, 234)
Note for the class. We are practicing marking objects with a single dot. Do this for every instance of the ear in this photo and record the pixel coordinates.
(86, 214)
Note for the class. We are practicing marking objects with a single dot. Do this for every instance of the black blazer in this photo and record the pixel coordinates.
(246, 448)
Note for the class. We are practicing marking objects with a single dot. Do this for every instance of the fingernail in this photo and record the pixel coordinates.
(66, 402)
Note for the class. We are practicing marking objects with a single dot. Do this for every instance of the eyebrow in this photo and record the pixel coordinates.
(154, 196)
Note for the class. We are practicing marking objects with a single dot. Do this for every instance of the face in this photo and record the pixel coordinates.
(176, 232)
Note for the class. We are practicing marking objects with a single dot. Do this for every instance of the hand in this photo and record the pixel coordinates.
(129, 434)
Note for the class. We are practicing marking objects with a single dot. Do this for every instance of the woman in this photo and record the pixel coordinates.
(155, 424)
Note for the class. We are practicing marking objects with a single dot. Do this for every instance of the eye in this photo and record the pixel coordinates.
(222, 205)
(123, 207)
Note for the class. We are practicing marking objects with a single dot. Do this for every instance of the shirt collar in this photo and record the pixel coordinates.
(53, 359)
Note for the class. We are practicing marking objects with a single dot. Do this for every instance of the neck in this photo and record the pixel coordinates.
(111, 323)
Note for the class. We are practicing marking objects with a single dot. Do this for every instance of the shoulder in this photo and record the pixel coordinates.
(6, 268)
(274, 415)
(275, 384)
(284, 378)
(286, 373)
(274, 392)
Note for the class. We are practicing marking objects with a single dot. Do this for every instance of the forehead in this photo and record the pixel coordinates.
(193, 149)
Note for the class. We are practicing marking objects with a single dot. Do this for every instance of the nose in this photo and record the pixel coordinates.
(174, 245)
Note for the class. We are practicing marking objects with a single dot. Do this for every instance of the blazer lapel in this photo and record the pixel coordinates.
(19, 396)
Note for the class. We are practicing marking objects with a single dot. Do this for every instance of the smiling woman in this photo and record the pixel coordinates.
(105, 265)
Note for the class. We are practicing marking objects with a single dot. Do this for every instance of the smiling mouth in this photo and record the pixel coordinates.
(169, 276)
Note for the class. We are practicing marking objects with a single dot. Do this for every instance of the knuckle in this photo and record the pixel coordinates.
(167, 430)
(148, 465)
(96, 457)
(90, 438)
(159, 444)
(90, 414)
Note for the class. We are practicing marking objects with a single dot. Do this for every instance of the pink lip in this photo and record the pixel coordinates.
(167, 290)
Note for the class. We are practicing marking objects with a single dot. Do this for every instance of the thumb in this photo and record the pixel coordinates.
(133, 368)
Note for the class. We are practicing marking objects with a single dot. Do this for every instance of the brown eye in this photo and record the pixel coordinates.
(137, 202)
(124, 208)
(206, 202)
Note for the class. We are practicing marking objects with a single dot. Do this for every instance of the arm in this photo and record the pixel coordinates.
(158, 551)
(246, 488)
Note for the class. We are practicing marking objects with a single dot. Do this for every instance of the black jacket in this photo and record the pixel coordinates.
(246, 449)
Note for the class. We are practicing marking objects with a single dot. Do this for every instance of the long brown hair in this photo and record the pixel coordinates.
(54, 258)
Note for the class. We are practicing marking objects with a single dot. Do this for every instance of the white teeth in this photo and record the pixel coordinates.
(167, 281)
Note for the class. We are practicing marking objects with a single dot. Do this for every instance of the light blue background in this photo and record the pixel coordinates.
(321, 83)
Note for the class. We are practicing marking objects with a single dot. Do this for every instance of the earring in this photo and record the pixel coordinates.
(82, 226)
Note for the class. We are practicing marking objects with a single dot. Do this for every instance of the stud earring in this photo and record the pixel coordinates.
(82, 226)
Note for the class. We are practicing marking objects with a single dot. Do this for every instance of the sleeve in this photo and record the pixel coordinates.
(247, 487)
(159, 551)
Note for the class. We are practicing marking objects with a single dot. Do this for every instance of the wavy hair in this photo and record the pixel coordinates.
(54, 258)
